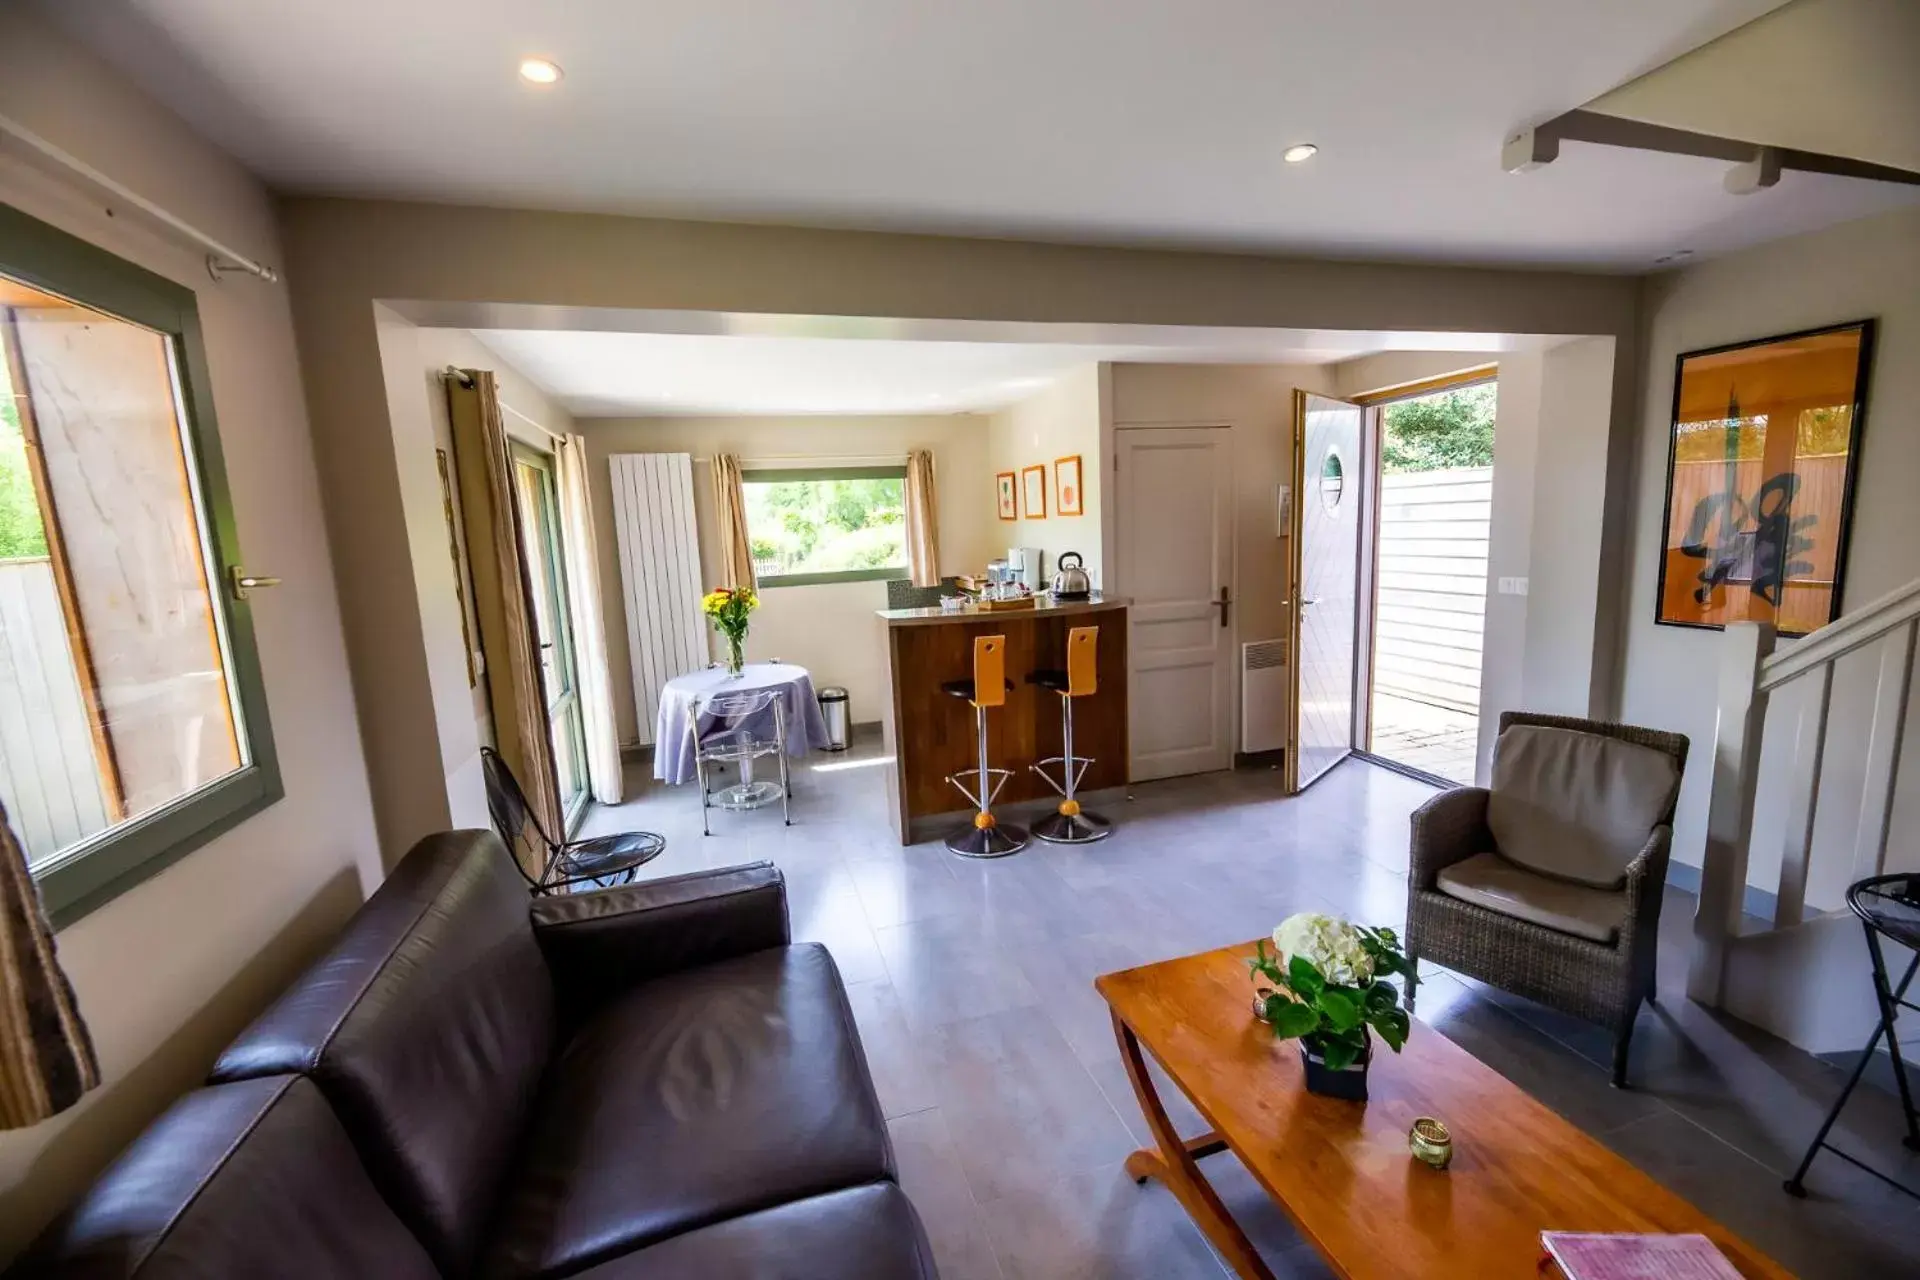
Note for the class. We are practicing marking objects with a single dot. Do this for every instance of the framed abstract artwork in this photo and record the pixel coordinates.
(1006, 495)
(1762, 454)
(1033, 492)
(1066, 486)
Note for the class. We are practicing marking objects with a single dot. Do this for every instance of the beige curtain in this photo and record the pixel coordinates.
(730, 510)
(503, 597)
(46, 1056)
(923, 520)
(589, 621)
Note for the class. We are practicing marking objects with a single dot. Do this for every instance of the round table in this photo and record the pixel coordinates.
(673, 747)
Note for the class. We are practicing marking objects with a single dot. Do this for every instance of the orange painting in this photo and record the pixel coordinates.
(1066, 483)
(1760, 471)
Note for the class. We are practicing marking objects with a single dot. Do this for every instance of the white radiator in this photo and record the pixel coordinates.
(1263, 696)
(659, 574)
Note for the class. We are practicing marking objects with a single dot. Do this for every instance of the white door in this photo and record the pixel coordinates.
(1330, 472)
(1176, 563)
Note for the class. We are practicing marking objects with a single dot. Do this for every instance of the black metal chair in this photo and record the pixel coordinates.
(599, 862)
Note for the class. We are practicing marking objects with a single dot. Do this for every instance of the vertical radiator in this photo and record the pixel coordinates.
(659, 574)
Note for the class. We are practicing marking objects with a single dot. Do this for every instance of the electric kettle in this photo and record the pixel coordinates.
(1070, 580)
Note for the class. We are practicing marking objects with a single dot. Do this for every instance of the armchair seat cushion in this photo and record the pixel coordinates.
(694, 1098)
(1578, 806)
(1491, 881)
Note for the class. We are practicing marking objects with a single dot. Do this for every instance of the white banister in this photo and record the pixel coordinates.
(1803, 801)
(1745, 646)
(1841, 637)
(1890, 697)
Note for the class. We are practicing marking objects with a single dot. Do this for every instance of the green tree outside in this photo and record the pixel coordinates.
(826, 526)
(21, 533)
(1440, 432)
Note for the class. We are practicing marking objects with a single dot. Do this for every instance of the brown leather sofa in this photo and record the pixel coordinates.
(642, 1083)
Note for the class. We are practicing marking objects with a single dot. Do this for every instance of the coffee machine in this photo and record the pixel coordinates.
(1024, 563)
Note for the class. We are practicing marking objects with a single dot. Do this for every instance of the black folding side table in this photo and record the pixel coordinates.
(1889, 911)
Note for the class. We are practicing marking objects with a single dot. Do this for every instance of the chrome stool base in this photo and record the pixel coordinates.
(988, 842)
(1072, 828)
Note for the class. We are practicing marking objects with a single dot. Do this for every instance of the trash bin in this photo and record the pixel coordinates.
(835, 709)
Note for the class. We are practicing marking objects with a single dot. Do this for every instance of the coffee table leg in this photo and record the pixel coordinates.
(1174, 1165)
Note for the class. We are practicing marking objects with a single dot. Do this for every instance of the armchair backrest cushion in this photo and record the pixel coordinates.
(427, 1028)
(1577, 806)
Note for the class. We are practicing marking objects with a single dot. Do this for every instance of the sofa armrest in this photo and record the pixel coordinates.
(1449, 828)
(1646, 890)
(601, 943)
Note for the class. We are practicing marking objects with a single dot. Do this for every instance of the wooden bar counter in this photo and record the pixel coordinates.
(930, 734)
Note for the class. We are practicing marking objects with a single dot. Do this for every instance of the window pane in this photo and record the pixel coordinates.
(115, 689)
(826, 525)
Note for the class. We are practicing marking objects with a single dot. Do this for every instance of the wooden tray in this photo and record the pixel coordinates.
(1004, 606)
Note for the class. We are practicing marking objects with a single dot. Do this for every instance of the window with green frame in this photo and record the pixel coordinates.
(133, 721)
(826, 524)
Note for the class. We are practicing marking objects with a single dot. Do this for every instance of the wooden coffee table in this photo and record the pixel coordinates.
(1342, 1171)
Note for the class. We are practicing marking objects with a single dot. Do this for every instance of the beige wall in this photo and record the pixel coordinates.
(1867, 268)
(829, 628)
(1256, 402)
(1058, 422)
(1821, 75)
(413, 361)
(171, 970)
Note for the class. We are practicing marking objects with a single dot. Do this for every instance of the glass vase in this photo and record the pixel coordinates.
(736, 654)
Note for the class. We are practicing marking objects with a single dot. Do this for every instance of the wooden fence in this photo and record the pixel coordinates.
(49, 777)
(1432, 586)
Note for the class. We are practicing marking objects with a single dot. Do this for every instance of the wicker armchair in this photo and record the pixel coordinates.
(1601, 982)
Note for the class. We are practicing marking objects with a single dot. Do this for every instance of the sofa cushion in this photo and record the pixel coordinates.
(1488, 880)
(426, 1027)
(1577, 805)
(249, 1179)
(699, 1096)
(862, 1233)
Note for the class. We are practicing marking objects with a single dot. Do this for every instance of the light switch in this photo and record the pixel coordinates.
(1513, 586)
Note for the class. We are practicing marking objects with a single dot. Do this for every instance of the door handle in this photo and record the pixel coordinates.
(1224, 604)
(1306, 600)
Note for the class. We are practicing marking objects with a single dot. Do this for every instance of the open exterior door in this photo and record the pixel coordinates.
(1329, 500)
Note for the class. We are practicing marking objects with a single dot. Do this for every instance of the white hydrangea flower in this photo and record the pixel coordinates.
(1330, 943)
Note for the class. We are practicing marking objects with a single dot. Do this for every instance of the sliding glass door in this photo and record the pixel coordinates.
(538, 498)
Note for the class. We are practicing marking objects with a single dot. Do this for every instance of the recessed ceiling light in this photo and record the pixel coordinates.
(1299, 151)
(539, 70)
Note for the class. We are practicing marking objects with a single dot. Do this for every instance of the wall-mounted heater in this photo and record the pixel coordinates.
(1264, 688)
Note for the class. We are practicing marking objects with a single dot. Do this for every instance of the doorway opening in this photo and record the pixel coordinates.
(1430, 577)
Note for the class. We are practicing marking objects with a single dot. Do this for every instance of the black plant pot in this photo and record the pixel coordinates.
(1349, 1083)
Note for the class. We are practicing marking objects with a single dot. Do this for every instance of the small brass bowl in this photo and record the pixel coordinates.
(1430, 1142)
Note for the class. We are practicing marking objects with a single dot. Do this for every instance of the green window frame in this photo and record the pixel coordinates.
(778, 475)
(98, 870)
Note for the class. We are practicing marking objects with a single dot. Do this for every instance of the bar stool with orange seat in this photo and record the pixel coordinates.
(987, 837)
(1070, 824)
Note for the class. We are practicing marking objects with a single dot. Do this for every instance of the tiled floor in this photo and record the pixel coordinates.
(1011, 1115)
(1432, 739)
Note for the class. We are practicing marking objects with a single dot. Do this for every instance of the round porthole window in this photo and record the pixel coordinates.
(1333, 480)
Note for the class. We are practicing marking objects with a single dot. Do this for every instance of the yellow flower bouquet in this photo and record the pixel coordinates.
(729, 608)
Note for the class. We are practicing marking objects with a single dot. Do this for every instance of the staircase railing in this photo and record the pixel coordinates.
(1750, 671)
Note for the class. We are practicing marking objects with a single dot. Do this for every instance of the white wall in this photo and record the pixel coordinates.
(1256, 402)
(1058, 422)
(1863, 269)
(413, 360)
(168, 972)
(828, 628)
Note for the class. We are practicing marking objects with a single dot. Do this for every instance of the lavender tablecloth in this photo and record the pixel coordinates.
(673, 750)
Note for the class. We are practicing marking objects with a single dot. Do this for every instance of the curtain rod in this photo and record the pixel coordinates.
(818, 459)
(455, 373)
(220, 259)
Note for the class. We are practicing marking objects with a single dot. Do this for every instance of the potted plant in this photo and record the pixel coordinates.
(1325, 984)
(729, 607)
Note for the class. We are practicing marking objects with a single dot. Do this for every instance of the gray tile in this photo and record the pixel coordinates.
(1021, 1108)
(930, 1175)
(896, 1054)
(1098, 1224)
(950, 969)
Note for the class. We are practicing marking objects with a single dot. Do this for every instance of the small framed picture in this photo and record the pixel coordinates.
(1066, 486)
(1007, 495)
(1033, 488)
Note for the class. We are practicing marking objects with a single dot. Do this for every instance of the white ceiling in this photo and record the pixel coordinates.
(1138, 121)
(600, 374)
